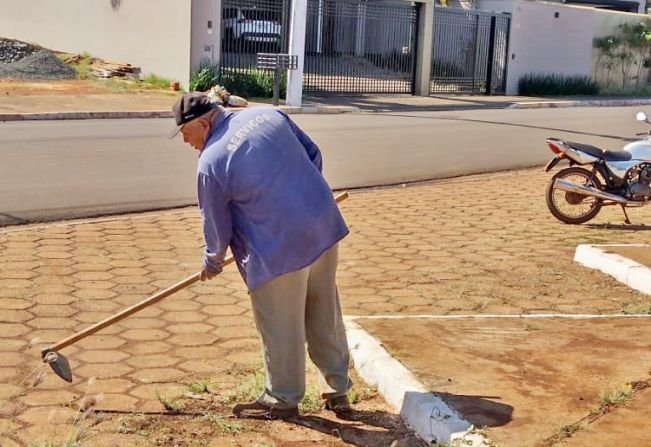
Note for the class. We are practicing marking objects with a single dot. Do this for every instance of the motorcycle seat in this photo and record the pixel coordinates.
(600, 153)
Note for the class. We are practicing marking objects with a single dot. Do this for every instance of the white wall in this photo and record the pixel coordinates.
(154, 35)
(607, 24)
(206, 42)
(542, 43)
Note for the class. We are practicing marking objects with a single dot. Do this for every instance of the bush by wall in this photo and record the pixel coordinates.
(204, 77)
(251, 84)
(557, 85)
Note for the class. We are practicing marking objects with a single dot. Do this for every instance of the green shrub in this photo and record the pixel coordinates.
(630, 90)
(557, 85)
(251, 84)
(205, 77)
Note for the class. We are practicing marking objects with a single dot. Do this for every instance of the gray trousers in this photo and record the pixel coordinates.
(295, 308)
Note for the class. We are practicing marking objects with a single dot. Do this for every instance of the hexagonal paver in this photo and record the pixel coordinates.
(117, 402)
(197, 339)
(48, 415)
(145, 334)
(188, 328)
(102, 370)
(51, 310)
(100, 342)
(153, 361)
(152, 391)
(227, 310)
(13, 330)
(158, 375)
(183, 317)
(35, 398)
(102, 356)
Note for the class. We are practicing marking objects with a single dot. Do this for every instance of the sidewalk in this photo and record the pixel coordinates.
(150, 105)
(425, 249)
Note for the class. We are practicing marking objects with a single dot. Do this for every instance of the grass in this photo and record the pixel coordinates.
(638, 308)
(616, 397)
(171, 404)
(312, 402)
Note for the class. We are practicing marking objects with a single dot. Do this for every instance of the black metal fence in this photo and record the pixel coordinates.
(250, 27)
(470, 52)
(359, 46)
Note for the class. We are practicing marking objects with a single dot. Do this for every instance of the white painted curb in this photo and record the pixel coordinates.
(430, 417)
(631, 273)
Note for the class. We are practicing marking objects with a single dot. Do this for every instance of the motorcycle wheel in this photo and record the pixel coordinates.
(570, 207)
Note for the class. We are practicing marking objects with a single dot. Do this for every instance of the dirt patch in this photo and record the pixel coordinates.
(13, 87)
(641, 255)
(524, 379)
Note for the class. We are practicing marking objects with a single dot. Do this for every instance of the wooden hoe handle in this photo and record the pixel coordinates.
(141, 305)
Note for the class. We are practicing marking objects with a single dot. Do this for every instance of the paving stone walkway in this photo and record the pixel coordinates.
(480, 244)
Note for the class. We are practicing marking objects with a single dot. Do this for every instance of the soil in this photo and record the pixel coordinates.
(524, 379)
(206, 420)
(641, 255)
(15, 87)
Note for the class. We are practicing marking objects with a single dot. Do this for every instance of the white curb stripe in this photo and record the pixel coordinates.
(631, 273)
(430, 417)
(495, 316)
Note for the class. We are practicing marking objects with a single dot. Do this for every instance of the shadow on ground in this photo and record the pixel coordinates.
(363, 429)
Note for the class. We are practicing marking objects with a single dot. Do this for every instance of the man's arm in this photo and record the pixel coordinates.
(217, 223)
(310, 146)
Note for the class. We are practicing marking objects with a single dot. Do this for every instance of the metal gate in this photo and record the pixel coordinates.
(250, 27)
(470, 52)
(359, 46)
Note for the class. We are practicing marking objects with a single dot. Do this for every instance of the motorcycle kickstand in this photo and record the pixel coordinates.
(627, 221)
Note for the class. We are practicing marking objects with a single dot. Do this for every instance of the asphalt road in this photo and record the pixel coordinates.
(53, 170)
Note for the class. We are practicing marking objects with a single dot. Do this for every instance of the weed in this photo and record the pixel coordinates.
(361, 393)
(225, 425)
(156, 81)
(311, 402)
(200, 386)
(136, 424)
(638, 308)
(616, 397)
(249, 389)
(171, 404)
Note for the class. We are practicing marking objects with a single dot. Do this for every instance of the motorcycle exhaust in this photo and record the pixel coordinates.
(565, 185)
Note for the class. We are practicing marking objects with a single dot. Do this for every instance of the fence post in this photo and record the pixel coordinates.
(491, 56)
(424, 44)
(297, 46)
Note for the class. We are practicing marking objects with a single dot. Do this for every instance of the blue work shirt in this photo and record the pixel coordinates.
(261, 192)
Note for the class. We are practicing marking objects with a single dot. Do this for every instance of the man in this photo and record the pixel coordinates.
(262, 193)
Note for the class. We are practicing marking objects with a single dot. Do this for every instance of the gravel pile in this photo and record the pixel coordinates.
(19, 60)
(14, 50)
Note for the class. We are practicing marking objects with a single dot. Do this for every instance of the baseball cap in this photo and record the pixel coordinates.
(190, 106)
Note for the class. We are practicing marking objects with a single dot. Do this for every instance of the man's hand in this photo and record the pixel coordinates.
(207, 274)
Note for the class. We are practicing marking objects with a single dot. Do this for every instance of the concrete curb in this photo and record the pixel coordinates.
(631, 273)
(581, 103)
(142, 114)
(324, 110)
(430, 417)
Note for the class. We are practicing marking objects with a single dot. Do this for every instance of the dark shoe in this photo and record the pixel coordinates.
(257, 410)
(339, 405)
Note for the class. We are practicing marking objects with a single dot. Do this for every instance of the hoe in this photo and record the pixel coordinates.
(59, 363)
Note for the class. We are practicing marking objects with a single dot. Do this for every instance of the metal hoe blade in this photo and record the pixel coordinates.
(59, 364)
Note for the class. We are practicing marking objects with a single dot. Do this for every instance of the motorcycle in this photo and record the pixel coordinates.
(598, 178)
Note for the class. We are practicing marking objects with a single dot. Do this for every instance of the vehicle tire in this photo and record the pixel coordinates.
(571, 207)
